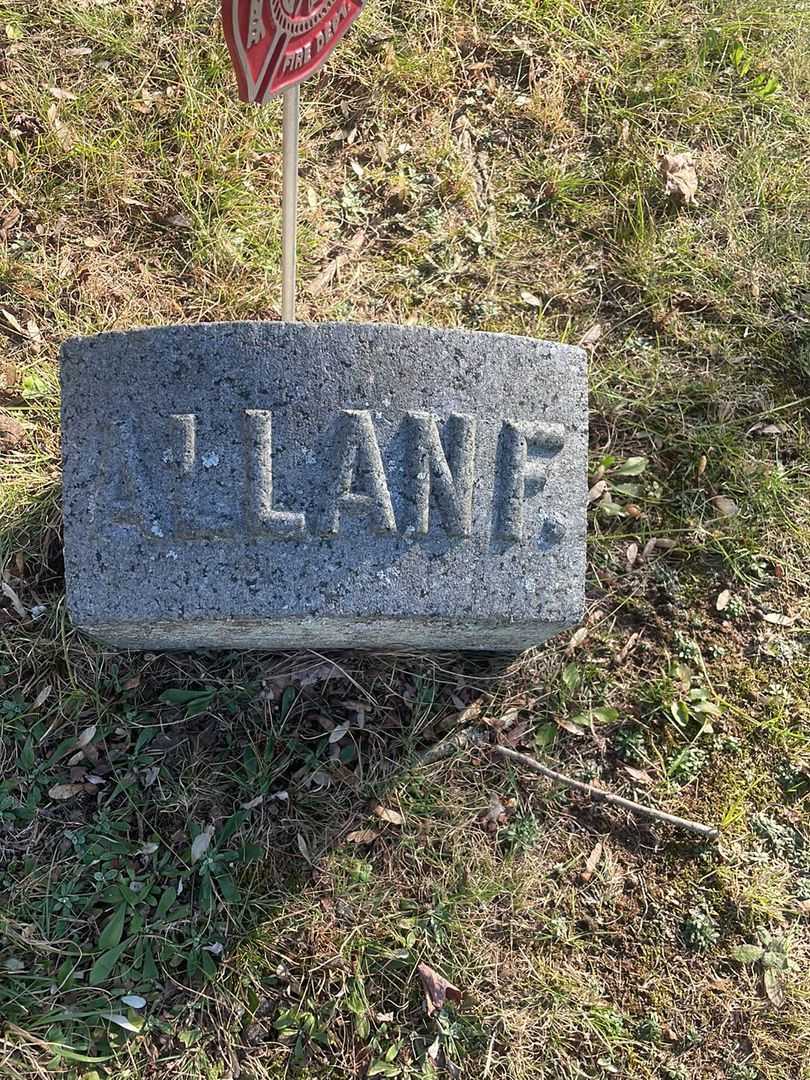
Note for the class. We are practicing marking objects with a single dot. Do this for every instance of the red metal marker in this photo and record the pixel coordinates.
(274, 46)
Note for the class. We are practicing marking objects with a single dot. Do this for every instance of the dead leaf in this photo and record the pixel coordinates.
(702, 463)
(649, 548)
(434, 1050)
(42, 696)
(336, 734)
(327, 275)
(502, 722)
(132, 683)
(570, 726)
(150, 775)
(176, 221)
(530, 299)
(515, 735)
(340, 772)
(11, 595)
(627, 648)
(65, 791)
(494, 815)
(201, 843)
(13, 321)
(592, 863)
(631, 555)
(61, 95)
(591, 338)
(766, 430)
(775, 619)
(639, 775)
(315, 675)
(597, 491)
(391, 816)
(723, 600)
(680, 178)
(64, 135)
(576, 639)
(11, 431)
(303, 847)
(8, 378)
(438, 990)
(87, 736)
(363, 836)
(725, 506)
(253, 803)
(9, 220)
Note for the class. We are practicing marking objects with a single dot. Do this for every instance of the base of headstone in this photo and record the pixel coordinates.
(262, 485)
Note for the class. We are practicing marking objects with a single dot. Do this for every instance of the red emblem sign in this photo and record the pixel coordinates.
(275, 44)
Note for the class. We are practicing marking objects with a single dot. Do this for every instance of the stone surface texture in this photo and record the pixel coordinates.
(261, 485)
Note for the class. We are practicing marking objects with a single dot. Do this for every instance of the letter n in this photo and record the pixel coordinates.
(449, 478)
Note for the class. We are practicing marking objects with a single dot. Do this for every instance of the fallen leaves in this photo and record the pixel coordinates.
(363, 836)
(59, 792)
(393, 817)
(777, 619)
(639, 775)
(63, 134)
(12, 596)
(179, 221)
(335, 265)
(765, 430)
(591, 338)
(680, 178)
(723, 600)
(592, 862)
(201, 843)
(628, 647)
(495, 815)
(438, 990)
(725, 506)
(86, 736)
(576, 639)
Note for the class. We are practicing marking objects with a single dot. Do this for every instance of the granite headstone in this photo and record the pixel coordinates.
(263, 485)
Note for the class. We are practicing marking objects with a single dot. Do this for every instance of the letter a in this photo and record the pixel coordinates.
(355, 439)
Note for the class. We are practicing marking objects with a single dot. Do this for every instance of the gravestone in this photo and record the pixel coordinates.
(270, 485)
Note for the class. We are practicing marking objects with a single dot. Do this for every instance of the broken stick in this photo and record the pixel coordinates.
(708, 832)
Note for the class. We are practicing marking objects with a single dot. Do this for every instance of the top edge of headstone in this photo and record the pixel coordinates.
(280, 330)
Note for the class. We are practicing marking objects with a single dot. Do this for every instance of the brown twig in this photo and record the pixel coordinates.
(708, 832)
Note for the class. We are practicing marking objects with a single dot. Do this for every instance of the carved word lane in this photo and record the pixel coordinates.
(435, 478)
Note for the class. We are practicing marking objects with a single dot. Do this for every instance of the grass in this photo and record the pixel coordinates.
(219, 861)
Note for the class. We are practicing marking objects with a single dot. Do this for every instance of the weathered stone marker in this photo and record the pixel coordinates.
(262, 485)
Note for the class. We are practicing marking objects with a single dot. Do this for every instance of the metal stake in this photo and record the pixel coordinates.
(289, 211)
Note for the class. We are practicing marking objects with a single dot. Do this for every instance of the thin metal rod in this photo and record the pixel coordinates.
(289, 212)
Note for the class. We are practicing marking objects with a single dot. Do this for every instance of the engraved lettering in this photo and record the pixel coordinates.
(226, 491)
(449, 478)
(262, 517)
(128, 485)
(357, 452)
(187, 422)
(516, 469)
